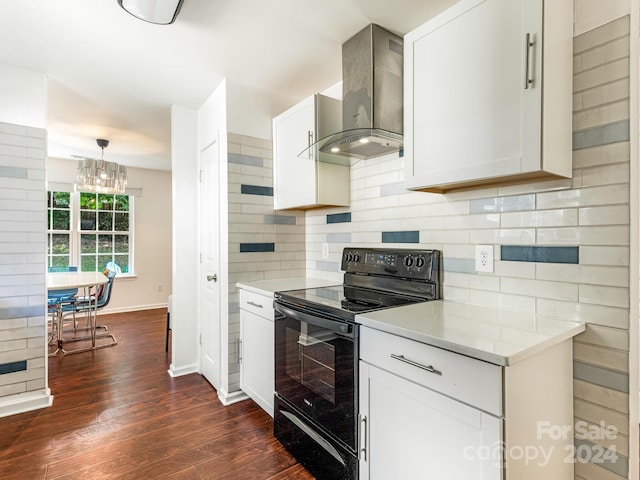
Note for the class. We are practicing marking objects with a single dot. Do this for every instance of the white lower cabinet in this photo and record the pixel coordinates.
(414, 432)
(256, 348)
(428, 413)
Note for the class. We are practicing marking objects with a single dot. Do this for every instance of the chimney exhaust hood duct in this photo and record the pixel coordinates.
(372, 98)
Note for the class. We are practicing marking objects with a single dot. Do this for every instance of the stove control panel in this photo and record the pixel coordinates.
(401, 263)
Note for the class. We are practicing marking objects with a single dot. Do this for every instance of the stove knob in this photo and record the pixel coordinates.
(420, 261)
(349, 257)
(408, 261)
(356, 257)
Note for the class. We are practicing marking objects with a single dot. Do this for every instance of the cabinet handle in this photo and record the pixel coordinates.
(363, 438)
(428, 368)
(238, 348)
(528, 45)
(310, 142)
(257, 305)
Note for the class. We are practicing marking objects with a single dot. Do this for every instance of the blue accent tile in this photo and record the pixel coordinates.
(459, 265)
(339, 237)
(339, 217)
(601, 376)
(257, 247)
(13, 172)
(279, 220)
(519, 253)
(12, 367)
(245, 160)
(256, 190)
(22, 312)
(601, 135)
(327, 266)
(401, 237)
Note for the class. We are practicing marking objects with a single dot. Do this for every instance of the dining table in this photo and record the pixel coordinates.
(72, 280)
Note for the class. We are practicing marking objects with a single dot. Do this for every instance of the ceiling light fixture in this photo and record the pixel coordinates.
(161, 12)
(101, 176)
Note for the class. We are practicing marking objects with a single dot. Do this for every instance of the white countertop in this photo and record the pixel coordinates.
(269, 287)
(493, 335)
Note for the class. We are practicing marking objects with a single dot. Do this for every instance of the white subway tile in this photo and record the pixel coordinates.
(538, 288)
(584, 197)
(606, 296)
(607, 215)
(601, 155)
(605, 337)
(472, 221)
(602, 357)
(543, 218)
(582, 312)
(606, 255)
(515, 269)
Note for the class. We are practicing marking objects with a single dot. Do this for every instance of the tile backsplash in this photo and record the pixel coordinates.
(567, 241)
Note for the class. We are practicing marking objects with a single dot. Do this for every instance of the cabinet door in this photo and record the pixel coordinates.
(408, 431)
(294, 178)
(469, 114)
(256, 364)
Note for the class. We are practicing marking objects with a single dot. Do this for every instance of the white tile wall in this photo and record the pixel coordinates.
(22, 257)
(247, 225)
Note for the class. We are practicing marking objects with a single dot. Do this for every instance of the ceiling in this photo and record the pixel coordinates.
(113, 76)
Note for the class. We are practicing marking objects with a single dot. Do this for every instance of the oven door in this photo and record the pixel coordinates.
(316, 369)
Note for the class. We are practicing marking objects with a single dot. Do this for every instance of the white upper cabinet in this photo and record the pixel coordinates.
(488, 96)
(313, 179)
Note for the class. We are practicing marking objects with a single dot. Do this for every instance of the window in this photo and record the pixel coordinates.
(89, 230)
(59, 227)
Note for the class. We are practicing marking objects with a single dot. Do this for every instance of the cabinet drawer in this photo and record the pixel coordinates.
(471, 381)
(256, 303)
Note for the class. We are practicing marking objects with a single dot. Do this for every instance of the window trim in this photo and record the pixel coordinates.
(75, 232)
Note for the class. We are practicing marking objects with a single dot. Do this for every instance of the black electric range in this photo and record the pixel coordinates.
(317, 349)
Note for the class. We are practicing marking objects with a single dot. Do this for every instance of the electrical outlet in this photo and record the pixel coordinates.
(325, 251)
(484, 258)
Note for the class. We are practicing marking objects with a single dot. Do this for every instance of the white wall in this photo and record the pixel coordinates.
(589, 14)
(23, 97)
(184, 307)
(250, 109)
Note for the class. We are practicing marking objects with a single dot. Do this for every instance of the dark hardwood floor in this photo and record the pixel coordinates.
(118, 414)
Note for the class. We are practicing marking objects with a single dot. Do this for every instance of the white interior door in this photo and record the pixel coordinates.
(209, 265)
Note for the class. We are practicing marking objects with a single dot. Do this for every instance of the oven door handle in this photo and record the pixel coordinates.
(333, 325)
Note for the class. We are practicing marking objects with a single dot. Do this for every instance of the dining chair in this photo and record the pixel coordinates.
(55, 300)
(64, 294)
(89, 305)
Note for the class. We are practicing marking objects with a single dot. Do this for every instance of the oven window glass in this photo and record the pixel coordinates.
(311, 359)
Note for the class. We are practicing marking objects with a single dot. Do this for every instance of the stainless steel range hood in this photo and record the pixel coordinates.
(372, 99)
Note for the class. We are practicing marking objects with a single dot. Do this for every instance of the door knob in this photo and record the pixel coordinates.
(212, 278)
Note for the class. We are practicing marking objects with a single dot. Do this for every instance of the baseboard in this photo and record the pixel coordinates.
(135, 308)
(180, 371)
(25, 402)
(228, 398)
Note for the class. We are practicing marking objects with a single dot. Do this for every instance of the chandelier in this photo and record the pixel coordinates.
(101, 176)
